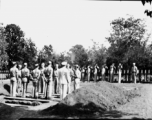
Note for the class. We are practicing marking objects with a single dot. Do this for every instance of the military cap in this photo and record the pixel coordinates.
(64, 63)
(25, 64)
(36, 65)
(14, 63)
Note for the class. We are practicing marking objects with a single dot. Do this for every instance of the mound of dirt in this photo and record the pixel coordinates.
(95, 97)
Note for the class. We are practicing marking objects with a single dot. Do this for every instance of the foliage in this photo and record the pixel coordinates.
(127, 41)
(79, 55)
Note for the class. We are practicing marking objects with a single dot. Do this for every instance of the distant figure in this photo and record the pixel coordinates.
(41, 84)
(88, 73)
(25, 76)
(71, 77)
(95, 73)
(36, 75)
(55, 77)
(119, 72)
(103, 72)
(83, 74)
(19, 81)
(77, 75)
(13, 80)
(49, 77)
(134, 72)
(112, 68)
(64, 78)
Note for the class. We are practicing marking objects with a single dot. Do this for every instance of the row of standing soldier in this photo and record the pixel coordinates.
(43, 78)
(96, 73)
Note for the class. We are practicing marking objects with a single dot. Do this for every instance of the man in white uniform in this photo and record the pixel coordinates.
(77, 75)
(64, 78)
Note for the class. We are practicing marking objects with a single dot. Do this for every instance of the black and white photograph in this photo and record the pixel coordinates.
(75, 59)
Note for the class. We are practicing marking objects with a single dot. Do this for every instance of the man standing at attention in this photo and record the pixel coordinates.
(88, 73)
(35, 75)
(64, 78)
(112, 68)
(71, 76)
(19, 81)
(41, 84)
(103, 72)
(25, 76)
(56, 81)
(119, 72)
(77, 75)
(13, 80)
(49, 77)
(134, 72)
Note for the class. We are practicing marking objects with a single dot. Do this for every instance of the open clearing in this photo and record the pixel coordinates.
(93, 100)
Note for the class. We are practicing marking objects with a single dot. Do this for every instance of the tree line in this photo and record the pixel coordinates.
(128, 40)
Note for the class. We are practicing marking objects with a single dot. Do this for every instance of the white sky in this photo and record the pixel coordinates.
(65, 23)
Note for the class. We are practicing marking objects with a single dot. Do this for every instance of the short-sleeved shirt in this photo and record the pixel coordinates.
(48, 72)
(36, 73)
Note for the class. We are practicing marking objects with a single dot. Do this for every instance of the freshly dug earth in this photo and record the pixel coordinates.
(93, 98)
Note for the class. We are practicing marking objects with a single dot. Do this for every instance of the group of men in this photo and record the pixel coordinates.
(95, 73)
(45, 80)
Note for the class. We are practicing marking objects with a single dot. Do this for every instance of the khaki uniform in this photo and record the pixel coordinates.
(95, 74)
(41, 83)
(13, 81)
(36, 76)
(70, 80)
(88, 74)
(82, 74)
(112, 68)
(134, 73)
(48, 83)
(19, 82)
(103, 72)
(25, 76)
(119, 73)
(56, 81)
(77, 74)
(64, 78)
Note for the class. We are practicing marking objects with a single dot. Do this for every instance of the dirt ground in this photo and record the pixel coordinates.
(93, 100)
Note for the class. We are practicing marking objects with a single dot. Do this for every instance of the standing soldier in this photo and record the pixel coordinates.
(41, 84)
(35, 76)
(77, 75)
(134, 72)
(13, 80)
(103, 72)
(95, 73)
(112, 68)
(48, 74)
(19, 81)
(82, 74)
(25, 76)
(56, 81)
(88, 73)
(71, 77)
(119, 72)
(64, 78)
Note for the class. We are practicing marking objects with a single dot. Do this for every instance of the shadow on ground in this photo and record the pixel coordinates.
(7, 87)
(82, 111)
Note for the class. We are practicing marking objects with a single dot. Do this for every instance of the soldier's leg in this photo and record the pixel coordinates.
(64, 90)
(61, 91)
(55, 85)
(11, 88)
(49, 91)
(14, 89)
(24, 89)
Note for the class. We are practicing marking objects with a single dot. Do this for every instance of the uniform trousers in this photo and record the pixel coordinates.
(13, 82)
(63, 91)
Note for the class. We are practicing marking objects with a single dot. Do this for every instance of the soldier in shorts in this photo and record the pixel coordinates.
(35, 76)
(25, 75)
(48, 83)
(13, 80)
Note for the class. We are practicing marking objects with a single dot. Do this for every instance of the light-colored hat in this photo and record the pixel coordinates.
(36, 65)
(64, 63)
(14, 63)
(25, 64)
(50, 62)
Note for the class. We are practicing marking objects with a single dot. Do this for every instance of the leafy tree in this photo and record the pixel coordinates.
(3, 53)
(97, 54)
(127, 41)
(79, 55)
